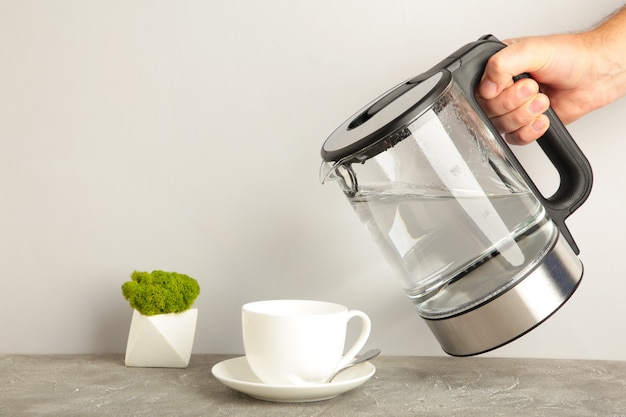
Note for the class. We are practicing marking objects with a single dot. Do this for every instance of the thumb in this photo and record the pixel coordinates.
(505, 64)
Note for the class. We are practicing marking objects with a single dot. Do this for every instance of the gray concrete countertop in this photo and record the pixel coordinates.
(94, 385)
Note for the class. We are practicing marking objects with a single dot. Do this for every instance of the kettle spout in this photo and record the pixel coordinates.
(327, 172)
(342, 173)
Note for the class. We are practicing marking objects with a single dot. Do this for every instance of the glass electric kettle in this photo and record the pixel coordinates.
(484, 256)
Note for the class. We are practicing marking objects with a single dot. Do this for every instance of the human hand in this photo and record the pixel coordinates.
(572, 73)
(558, 66)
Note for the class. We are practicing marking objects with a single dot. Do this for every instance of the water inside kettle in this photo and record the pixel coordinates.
(447, 263)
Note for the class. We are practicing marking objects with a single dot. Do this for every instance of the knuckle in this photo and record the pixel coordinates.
(519, 117)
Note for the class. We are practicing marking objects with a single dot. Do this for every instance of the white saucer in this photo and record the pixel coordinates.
(235, 373)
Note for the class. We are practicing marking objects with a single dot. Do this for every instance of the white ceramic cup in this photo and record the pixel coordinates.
(298, 342)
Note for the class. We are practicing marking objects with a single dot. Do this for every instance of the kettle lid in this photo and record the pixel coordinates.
(385, 115)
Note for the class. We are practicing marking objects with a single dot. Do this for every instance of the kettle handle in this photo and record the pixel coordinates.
(576, 178)
(575, 174)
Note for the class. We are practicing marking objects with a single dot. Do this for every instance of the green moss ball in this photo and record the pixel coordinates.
(160, 292)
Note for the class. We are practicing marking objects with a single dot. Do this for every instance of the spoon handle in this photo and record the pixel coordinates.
(357, 359)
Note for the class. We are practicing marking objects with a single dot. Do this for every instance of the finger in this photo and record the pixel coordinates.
(523, 115)
(510, 98)
(509, 62)
(530, 132)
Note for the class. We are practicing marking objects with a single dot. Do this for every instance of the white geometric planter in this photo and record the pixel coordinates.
(161, 341)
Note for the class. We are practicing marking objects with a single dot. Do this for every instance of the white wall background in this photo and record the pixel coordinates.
(185, 135)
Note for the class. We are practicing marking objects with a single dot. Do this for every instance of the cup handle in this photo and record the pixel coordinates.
(366, 327)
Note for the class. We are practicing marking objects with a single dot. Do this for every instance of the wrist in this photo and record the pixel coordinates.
(607, 46)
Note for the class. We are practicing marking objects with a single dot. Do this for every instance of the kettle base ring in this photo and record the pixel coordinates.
(515, 312)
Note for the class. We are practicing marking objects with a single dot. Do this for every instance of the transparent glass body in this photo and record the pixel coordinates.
(448, 209)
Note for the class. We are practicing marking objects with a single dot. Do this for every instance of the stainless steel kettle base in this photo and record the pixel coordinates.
(515, 312)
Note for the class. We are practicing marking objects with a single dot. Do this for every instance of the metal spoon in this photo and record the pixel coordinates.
(357, 359)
